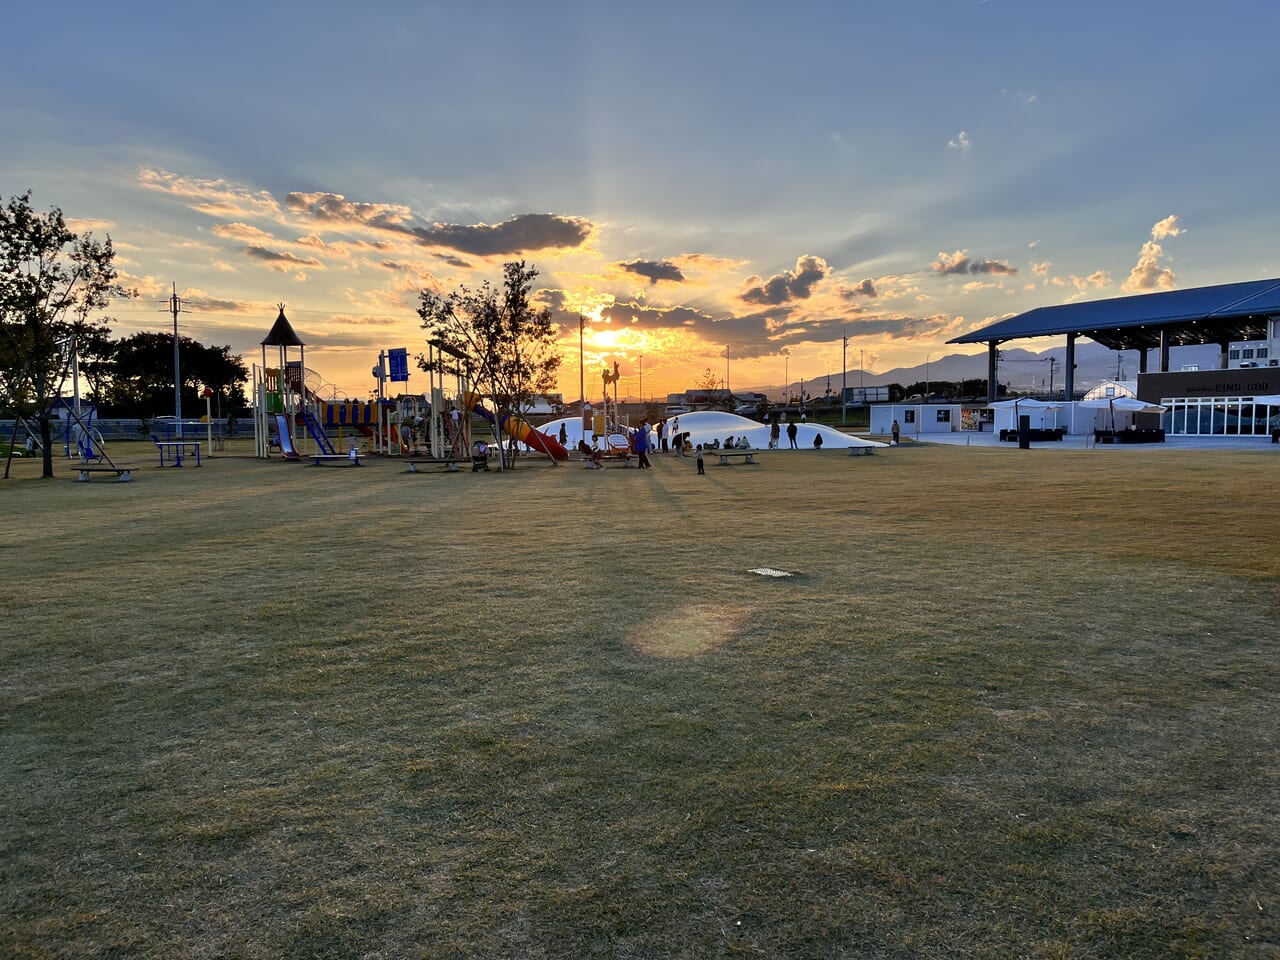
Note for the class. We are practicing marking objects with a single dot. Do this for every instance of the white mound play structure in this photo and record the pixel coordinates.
(707, 426)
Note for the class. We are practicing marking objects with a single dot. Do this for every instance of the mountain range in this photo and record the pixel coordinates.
(1021, 371)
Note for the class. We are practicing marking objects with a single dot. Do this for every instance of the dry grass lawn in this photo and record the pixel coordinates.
(1012, 704)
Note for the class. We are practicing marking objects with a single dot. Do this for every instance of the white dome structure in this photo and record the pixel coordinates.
(707, 426)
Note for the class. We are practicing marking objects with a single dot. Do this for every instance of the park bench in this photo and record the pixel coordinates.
(337, 459)
(861, 451)
(123, 474)
(748, 454)
(175, 450)
(450, 465)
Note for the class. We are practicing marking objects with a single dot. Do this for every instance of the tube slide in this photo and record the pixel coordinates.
(287, 449)
(521, 431)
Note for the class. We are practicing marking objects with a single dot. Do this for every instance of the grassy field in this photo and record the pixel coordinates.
(1011, 704)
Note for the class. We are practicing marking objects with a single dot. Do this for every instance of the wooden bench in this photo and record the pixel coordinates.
(176, 449)
(861, 451)
(338, 459)
(123, 474)
(748, 454)
(450, 465)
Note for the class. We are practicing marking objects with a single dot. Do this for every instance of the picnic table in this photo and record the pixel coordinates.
(175, 450)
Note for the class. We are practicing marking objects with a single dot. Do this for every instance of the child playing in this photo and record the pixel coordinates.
(701, 471)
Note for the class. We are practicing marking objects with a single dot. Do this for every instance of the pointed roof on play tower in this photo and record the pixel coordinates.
(282, 333)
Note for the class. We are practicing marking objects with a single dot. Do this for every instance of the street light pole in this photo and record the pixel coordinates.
(582, 373)
(642, 379)
(926, 378)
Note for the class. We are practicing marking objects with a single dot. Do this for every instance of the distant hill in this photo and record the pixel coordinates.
(1023, 370)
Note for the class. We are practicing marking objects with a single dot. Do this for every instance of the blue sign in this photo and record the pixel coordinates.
(399, 363)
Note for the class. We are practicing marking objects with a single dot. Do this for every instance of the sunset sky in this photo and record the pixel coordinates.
(694, 177)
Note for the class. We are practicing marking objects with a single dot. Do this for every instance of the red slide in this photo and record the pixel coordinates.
(523, 433)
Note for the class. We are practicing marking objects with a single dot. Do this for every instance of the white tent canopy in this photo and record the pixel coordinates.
(1123, 404)
(1126, 406)
(1024, 403)
(1018, 406)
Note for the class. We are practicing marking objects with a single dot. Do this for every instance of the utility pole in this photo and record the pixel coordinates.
(844, 378)
(175, 307)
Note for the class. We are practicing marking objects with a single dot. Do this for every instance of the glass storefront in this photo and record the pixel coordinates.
(1218, 417)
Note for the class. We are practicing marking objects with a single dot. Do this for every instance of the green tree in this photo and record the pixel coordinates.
(141, 375)
(51, 280)
(507, 346)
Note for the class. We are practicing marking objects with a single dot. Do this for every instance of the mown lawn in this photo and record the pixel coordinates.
(1012, 704)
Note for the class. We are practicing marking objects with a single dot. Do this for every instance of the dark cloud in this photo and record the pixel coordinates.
(959, 263)
(334, 207)
(898, 327)
(454, 261)
(795, 284)
(654, 270)
(652, 317)
(946, 263)
(205, 304)
(553, 300)
(530, 231)
(866, 288)
(281, 260)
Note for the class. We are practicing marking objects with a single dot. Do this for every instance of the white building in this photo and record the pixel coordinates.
(1245, 354)
(1110, 389)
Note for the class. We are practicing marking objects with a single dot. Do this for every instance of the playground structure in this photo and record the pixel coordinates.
(296, 414)
(288, 396)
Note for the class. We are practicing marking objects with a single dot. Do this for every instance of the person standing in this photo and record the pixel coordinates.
(675, 437)
(701, 468)
(791, 435)
(640, 444)
(775, 433)
(896, 431)
(662, 437)
(564, 436)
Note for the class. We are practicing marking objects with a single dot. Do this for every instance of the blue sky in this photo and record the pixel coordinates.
(761, 178)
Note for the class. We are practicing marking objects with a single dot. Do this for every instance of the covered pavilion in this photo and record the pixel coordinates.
(1219, 314)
